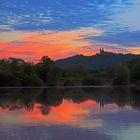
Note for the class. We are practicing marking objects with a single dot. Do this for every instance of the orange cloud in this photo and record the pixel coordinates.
(32, 46)
(55, 44)
(134, 50)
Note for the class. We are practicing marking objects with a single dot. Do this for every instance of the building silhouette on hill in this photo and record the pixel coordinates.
(102, 51)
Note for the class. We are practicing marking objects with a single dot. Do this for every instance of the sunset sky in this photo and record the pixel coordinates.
(30, 29)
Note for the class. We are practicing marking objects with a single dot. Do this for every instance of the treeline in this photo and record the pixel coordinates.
(17, 72)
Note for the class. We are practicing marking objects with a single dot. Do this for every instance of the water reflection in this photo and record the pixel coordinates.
(45, 99)
(101, 113)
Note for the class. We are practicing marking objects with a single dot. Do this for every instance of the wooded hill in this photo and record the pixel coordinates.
(102, 60)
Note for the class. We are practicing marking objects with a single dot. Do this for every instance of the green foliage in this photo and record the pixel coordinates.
(28, 76)
(5, 78)
(121, 75)
(135, 70)
(54, 75)
(46, 60)
(93, 80)
(9, 70)
(76, 71)
(69, 82)
(48, 71)
(17, 72)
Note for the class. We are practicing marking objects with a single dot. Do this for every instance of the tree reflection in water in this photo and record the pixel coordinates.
(17, 99)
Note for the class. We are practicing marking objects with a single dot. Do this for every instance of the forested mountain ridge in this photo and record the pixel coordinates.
(102, 60)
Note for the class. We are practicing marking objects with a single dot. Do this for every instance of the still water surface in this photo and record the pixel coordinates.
(70, 114)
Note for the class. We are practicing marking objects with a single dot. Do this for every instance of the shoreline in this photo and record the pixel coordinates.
(59, 87)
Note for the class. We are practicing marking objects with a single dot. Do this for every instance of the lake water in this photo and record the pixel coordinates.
(70, 114)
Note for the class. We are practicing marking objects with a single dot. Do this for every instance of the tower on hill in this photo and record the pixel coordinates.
(102, 51)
